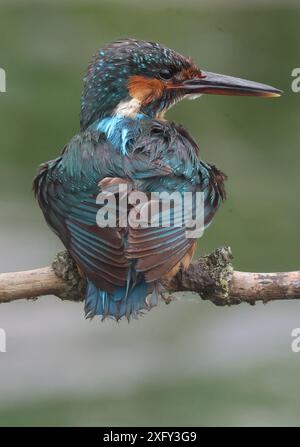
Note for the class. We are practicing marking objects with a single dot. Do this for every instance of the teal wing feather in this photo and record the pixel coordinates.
(67, 188)
(162, 157)
(158, 250)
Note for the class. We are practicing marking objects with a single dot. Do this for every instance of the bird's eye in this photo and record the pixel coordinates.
(165, 74)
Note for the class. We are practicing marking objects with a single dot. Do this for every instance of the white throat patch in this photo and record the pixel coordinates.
(128, 108)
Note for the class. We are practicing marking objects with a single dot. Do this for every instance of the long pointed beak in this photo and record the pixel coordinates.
(216, 84)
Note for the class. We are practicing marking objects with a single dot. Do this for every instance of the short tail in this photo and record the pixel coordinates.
(123, 302)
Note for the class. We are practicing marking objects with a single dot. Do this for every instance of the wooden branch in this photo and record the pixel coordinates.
(212, 277)
(30, 284)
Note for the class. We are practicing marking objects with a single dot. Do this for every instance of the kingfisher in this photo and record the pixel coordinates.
(124, 138)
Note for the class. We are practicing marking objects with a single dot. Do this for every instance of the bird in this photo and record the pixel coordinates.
(125, 138)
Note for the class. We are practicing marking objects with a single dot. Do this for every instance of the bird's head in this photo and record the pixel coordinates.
(130, 77)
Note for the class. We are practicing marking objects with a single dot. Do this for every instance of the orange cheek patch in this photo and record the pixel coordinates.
(145, 89)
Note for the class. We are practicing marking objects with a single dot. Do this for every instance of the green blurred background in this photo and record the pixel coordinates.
(189, 363)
